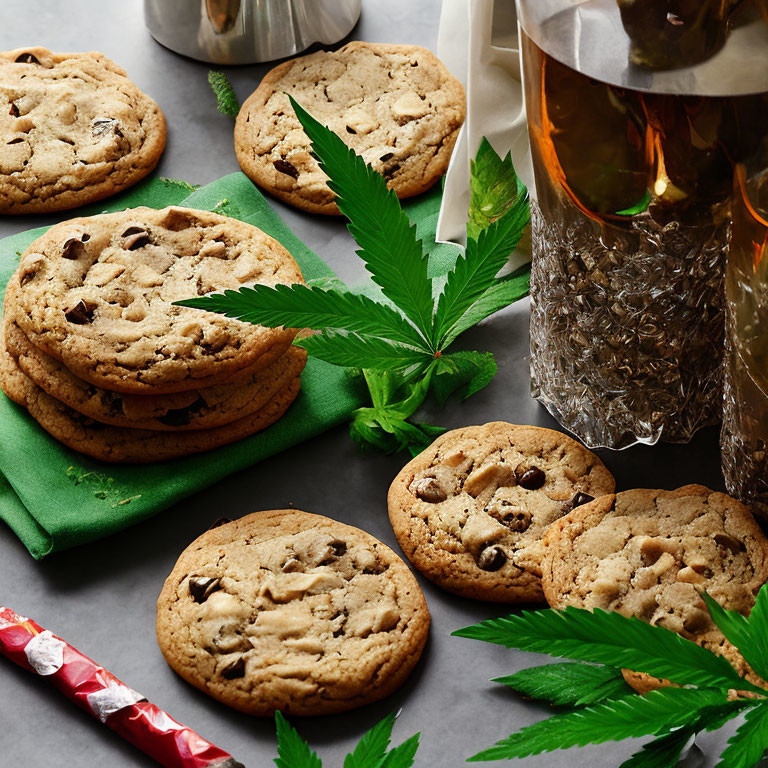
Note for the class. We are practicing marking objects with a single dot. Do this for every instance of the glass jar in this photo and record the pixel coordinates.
(630, 226)
(744, 437)
(674, 33)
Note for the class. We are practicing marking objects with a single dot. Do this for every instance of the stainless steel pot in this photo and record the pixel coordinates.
(248, 31)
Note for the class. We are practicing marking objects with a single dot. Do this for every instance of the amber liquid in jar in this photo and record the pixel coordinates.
(630, 231)
(744, 439)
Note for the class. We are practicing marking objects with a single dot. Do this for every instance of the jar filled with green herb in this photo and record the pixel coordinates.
(630, 223)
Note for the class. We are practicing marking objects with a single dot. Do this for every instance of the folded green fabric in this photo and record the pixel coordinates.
(54, 498)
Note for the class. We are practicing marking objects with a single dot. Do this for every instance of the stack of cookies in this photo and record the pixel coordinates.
(95, 349)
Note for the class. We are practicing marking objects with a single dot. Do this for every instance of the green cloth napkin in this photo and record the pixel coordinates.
(54, 498)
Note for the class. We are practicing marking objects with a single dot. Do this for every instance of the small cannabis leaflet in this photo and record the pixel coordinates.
(226, 100)
(399, 340)
(227, 208)
(103, 486)
(371, 752)
(602, 707)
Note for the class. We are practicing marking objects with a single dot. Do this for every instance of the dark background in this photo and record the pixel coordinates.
(101, 597)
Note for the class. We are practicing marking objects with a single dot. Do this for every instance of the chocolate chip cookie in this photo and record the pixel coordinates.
(131, 446)
(12, 381)
(396, 105)
(73, 128)
(649, 553)
(195, 409)
(291, 611)
(97, 294)
(470, 511)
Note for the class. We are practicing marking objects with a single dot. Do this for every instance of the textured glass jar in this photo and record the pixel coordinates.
(630, 226)
(744, 438)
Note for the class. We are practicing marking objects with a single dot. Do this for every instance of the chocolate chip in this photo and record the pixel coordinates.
(180, 417)
(28, 274)
(14, 112)
(491, 558)
(219, 521)
(176, 417)
(202, 587)
(351, 130)
(139, 242)
(391, 171)
(530, 478)
(387, 156)
(287, 168)
(518, 520)
(81, 313)
(429, 490)
(15, 141)
(579, 498)
(340, 631)
(73, 246)
(26, 58)
(101, 125)
(234, 669)
(135, 238)
(729, 543)
(338, 548)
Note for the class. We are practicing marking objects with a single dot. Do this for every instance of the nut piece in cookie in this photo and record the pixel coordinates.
(396, 105)
(470, 511)
(649, 554)
(73, 129)
(291, 611)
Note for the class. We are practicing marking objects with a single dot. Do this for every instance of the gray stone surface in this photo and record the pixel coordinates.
(102, 597)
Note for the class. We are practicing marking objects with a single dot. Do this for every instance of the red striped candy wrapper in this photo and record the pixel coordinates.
(99, 692)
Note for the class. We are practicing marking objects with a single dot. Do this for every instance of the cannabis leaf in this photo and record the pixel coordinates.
(292, 750)
(747, 746)
(611, 720)
(569, 684)
(505, 291)
(373, 746)
(400, 337)
(226, 100)
(388, 243)
(179, 184)
(494, 186)
(664, 750)
(475, 272)
(303, 306)
(370, 752)
(402, 756)
(462, 373)
(602, 706)
(601, 637)
(745, 633)
(385, 425)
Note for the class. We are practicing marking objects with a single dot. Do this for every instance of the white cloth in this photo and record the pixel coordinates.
(478, 42)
